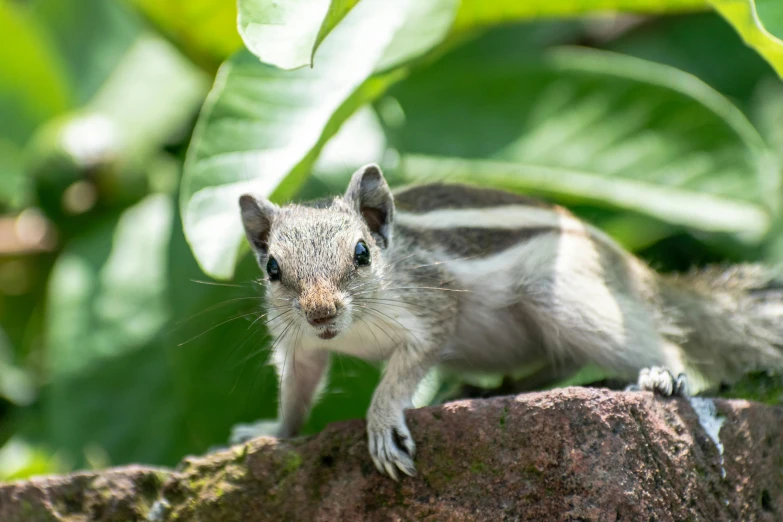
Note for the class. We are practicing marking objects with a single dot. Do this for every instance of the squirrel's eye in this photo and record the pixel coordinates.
(272, 269)
(361, 254)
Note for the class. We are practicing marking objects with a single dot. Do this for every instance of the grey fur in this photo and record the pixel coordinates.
(483, 280)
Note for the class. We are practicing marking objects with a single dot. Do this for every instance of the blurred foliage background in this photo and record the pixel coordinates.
(126, 300)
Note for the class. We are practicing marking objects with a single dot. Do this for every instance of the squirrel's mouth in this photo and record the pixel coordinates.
(327, 334)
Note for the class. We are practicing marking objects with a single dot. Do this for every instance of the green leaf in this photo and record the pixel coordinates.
(590, 126)
(480, 13)
(205, 30)
(90, 36)
(760, 23)
(287, 34)
(261, 128)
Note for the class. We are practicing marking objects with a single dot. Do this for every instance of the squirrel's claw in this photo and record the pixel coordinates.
(392, 449)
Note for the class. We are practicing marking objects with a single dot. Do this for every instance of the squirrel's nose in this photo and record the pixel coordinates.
(320, 302)
(322, 315)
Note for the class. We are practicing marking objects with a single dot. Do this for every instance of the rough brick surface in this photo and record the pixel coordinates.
(572, 454)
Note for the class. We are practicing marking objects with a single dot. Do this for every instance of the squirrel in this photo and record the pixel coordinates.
(478, 279)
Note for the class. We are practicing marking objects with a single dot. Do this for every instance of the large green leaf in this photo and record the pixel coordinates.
(287, 34)
(760, 23)
(262, 126)
(251, 136)
(591, 126)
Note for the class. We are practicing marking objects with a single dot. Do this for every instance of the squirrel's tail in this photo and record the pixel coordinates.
(729, 320)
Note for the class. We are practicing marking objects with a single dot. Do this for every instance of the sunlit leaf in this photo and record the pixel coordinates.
(287, 34)
(593, 127)
(334, 15)
(760, 23)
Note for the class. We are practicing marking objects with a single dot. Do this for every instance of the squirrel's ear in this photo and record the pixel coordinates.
(257, 218)
(370, 195)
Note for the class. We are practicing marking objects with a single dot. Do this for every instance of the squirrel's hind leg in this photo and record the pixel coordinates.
(662, 382)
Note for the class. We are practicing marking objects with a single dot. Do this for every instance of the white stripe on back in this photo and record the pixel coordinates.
(505, 216)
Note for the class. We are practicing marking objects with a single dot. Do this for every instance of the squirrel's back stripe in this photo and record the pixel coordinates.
(485, 231)
(438, 196)
(472, 242)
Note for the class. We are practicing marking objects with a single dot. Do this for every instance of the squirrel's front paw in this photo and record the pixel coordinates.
(391, 446)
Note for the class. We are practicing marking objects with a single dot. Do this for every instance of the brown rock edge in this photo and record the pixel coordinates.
(569, 454)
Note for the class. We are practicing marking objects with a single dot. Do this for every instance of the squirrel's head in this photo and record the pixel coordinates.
(319, 260)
